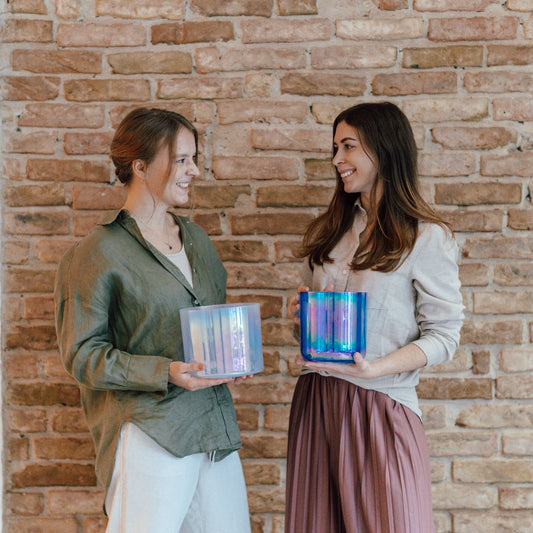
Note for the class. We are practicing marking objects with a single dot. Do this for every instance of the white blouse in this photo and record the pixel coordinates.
(420, 302)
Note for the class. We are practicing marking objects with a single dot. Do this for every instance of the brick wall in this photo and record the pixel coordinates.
(262, 80)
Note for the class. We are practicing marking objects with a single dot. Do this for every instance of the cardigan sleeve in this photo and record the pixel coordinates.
(439, 307)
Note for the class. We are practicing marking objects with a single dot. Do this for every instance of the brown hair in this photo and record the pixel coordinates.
(387, 137)
(141, 134)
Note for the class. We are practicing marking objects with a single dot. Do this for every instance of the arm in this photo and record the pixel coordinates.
(438, 312)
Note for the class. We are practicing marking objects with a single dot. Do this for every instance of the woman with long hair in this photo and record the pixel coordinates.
(357, 455)
(166, 441)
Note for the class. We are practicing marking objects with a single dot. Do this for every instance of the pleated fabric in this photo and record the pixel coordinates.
(357, 462)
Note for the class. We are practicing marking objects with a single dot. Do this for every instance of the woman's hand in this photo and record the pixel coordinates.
(293, 305)
(359, 369)
(180, 374)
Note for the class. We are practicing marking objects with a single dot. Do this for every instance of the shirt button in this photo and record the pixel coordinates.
(196, 302)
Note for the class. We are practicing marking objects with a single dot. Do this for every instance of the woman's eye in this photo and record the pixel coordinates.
(181, 161)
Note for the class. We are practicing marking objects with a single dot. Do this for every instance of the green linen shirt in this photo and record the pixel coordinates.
(117, 302)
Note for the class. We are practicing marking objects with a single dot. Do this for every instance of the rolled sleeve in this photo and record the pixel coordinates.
(439, 306)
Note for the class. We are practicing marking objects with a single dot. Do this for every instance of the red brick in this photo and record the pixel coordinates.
(277, 418)
(39, 307)
(67, 170)
(446, 109)
(35, 142)
(521, 219)
(31, 338)
(443, 56)
(91, 90)
(266, 224)
(319, 83)
(472, 138)
(364, 28)
(319, 169)
(26, 30)
(479, 443)
(447, 164)
(262, 58)
(62, 116)
(28, 279)
(346, 57)
(26, 420)
(13, 169)
(503, 302)
(517, 108)
(150, 62)
(278, 333)
(481, 362)
(69, 420)
(263, 276)
(294, 196)
(75, 448)
(44, 525)
(217, 196)
(474, 274)
(442, 388)
(34, 7)
(20, 366)
(419, 83)
(491, 332)
(70, 474)
(474, 220)
(255, 110)
(192, 32)
(261, 473)
(104, 35)
(246, 251)
(297, 7)
(285, 30)
(514, 274)
(292, 139)
(98, 196)
(498, 82)
(15, 252)
(270, 500)
(262, 168)
(501, 54)
(60, 502)
(29, 87)
(187, 109)
(451, 5)
(472, 29)
(517, 387)
(86, 221)
(482, 193)
(203, 88)
(87, 143)
(391, 5)
(141, 9)
(51, 250)
(28, 195)
(287, 251)
(271, 306)
(43, 394)
(259, 8)
(25, 503)
(516, 164)
(264, 446)
(209, 221)
(57, 61)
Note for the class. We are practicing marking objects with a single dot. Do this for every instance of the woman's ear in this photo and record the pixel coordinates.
(139, 168)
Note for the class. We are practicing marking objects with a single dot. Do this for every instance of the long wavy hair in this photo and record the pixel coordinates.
(387, 138)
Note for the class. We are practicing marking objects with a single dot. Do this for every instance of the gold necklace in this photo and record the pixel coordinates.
(167, 241)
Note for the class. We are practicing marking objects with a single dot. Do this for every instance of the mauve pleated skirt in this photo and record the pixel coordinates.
(357, 462)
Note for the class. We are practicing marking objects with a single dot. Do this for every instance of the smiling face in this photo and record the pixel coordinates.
(172, 188)
(357, 169)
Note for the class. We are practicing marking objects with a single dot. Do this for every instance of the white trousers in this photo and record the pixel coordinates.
(152, 491)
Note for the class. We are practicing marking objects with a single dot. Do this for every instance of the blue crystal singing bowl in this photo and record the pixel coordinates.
(332, 325)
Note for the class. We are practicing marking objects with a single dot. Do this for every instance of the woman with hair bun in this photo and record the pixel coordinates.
(357, 455)
(166, 441)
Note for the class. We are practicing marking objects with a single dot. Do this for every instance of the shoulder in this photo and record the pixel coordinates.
(434, 241)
